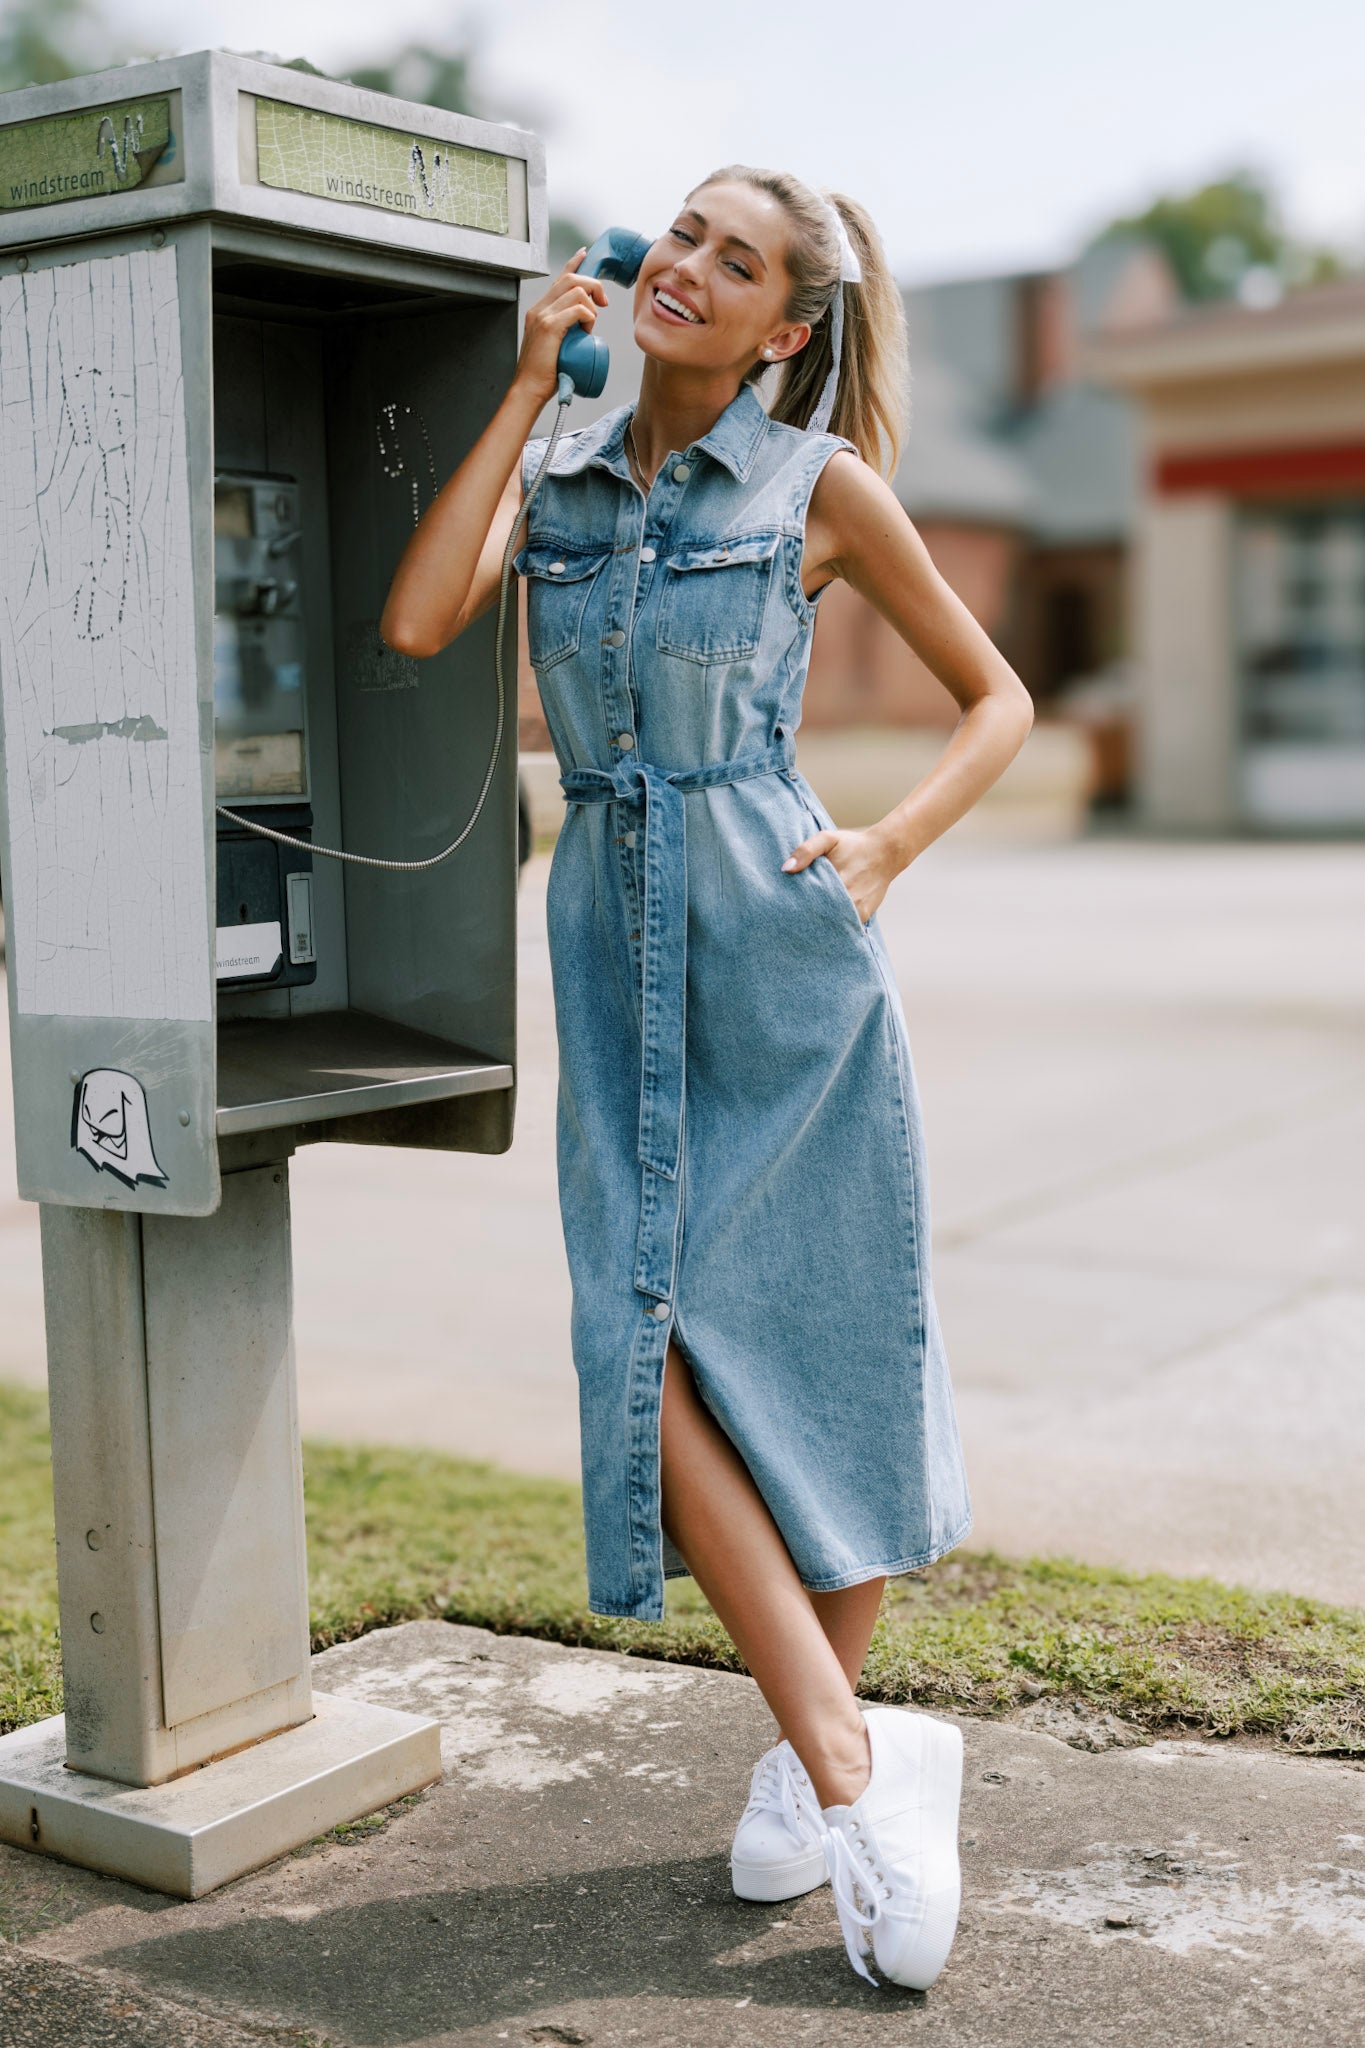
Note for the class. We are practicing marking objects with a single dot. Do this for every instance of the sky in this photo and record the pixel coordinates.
(981, 135)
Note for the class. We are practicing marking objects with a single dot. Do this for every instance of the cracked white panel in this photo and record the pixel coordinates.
(106, 884)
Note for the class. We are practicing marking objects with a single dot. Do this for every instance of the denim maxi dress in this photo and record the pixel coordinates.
(740, 1151)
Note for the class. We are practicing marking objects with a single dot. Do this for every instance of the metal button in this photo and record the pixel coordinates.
(556, 568)
(625, 740)
(660, 1311)
(681, 472)
(646, 554)
(616, 639)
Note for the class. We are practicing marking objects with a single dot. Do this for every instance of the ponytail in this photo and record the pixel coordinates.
(871, 405)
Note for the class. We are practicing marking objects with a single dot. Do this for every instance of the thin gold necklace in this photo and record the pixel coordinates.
(635, 455)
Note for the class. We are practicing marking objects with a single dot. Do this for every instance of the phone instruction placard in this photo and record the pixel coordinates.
(248, 950)
(357, 164)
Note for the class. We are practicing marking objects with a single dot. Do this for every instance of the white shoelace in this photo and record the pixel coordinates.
(774, 1790)
(855, 1875)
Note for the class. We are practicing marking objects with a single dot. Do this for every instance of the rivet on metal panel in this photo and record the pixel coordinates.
(159, 238)
(184, 1117)
(97, 1623)
(74, 1076)
(22, 264)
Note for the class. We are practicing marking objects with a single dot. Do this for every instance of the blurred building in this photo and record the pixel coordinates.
(1020, 475)
(1249, 612)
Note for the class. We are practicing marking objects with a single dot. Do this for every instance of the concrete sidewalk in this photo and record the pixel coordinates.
(568, 1882)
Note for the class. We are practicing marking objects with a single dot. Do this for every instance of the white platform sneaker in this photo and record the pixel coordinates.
(778, 1847)
(892, 1854)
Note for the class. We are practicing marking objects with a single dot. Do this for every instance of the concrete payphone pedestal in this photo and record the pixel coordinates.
(249, 319)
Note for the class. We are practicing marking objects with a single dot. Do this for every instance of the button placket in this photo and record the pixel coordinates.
(633, 558)
(618, 699)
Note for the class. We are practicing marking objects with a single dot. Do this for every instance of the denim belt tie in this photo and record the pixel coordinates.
(664, 972)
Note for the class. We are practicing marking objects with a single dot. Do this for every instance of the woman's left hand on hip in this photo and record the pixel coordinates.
(859, 858)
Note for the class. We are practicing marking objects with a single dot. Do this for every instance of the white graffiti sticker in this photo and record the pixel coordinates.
(110, 1127)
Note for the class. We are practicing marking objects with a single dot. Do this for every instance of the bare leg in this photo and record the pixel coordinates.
(848, 1618)
(734, 1550)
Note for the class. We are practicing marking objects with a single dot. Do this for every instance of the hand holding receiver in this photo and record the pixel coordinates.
(583, 356)
(569, 305)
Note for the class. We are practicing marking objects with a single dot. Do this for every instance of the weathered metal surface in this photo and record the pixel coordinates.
(232, 1589)
(274, 1073)
(190, 1836)
(228, 163)
(97, 667)
(103, 681)
(179, 1508)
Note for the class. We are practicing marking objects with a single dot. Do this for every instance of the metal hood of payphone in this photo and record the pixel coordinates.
(254, 143)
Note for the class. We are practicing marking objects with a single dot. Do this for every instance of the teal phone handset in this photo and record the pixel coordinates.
(582, 365)
(583, 357)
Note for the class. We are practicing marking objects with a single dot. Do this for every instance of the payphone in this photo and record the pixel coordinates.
(257, 333)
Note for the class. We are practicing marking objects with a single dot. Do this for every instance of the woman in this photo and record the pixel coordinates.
(763, 1389)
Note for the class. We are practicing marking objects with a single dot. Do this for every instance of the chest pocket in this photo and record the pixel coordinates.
(559, 582)
(714, 599)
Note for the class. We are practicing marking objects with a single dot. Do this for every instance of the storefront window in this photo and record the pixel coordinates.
(1300, 635)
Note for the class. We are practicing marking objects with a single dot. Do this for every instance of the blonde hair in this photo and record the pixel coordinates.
(872, 401)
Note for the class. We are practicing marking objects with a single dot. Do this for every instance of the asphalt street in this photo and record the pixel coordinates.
(1143, 1077)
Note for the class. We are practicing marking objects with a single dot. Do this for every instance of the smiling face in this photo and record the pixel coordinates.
(711, 291)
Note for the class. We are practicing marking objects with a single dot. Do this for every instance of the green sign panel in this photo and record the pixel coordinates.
(89, 155)
(360, 165)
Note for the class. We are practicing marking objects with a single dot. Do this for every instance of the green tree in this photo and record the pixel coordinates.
(438, 78)
(40, 43)
(1216, 236)
(442, 78)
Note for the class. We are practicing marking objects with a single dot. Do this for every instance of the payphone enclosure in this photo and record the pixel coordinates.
(257, 356)
(249, 319)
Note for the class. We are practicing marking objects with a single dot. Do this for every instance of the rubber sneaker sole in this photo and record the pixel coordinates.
(770, 1883)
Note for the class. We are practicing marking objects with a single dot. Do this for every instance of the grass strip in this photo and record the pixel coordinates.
(398, 1534)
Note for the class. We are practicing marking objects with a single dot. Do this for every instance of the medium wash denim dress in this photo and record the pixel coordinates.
(740, 1152)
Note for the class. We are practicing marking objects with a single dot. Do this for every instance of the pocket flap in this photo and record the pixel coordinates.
(725, 554)
(558, 565)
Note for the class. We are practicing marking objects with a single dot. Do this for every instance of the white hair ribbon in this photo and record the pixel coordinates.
(850, 272)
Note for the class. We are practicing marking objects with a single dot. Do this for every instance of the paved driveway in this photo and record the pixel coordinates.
(1143, 1075)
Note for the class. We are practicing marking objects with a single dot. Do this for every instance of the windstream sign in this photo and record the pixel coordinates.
(90, 155)
(332, 157)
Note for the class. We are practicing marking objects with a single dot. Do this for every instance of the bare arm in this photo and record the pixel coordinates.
(856, 528)
(450, 569)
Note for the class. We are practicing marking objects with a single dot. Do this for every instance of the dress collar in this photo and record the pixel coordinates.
(733, 440)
